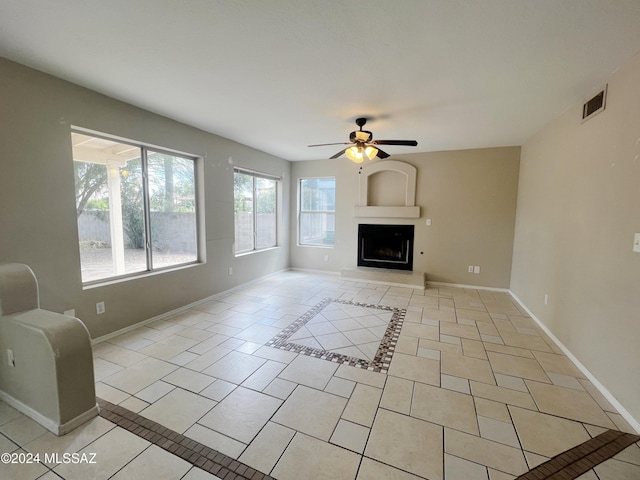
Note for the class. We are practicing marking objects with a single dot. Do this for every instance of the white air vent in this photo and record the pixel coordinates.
(594, 105)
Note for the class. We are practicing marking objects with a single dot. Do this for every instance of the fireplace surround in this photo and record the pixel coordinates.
(386, 246)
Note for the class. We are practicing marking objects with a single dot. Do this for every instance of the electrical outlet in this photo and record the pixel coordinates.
(326, 258)
(10, 358)
(230, 270)
(71, 312)
(470, 269)
(428, 222)
(636, 242)
(476, 269)
(546, 299)
(100, 308)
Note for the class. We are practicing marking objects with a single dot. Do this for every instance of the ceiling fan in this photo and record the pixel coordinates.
(363, 145)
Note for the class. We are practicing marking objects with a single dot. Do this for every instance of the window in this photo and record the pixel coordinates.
(317, 202)
(255, 210)
(135, 205)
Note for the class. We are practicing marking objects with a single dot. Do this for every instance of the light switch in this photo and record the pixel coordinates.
(636, 243)
(428, 222)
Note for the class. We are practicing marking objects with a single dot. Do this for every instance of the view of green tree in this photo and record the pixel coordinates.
(244, 188)
(90, 178)
(131, 194)
(243, 193)
(265, 195)
(171, 185)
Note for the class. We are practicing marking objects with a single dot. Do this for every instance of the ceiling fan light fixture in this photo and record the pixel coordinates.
(355, 154)
(363, 145)
(371, 152)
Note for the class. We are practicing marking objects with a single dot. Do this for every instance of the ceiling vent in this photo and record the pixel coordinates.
(595, 105)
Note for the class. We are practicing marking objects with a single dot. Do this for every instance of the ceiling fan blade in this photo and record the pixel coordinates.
(406, 143)
(325, 144)
(382, 154)
(340, 153)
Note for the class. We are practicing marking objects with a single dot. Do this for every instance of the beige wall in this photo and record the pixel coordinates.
(37, 206)
(578, 210)
(469, 195)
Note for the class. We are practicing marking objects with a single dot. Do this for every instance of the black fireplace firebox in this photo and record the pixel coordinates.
(385, 246)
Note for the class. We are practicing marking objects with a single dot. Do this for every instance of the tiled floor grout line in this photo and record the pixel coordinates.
(282, 452)
(191, 451)
(378, 407)
(518, 435)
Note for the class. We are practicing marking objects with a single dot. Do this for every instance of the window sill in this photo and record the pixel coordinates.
(244, 254)
(136, 276)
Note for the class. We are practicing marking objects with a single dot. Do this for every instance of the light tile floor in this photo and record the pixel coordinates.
(475, 391)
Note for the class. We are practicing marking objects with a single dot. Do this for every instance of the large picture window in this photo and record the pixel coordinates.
(136, 207)
(316, 220)
(255, 210)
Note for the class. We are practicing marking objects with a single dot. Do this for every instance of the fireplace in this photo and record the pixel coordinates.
(385, 246)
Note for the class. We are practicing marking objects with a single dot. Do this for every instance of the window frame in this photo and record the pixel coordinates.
(145, 149)
(255, 175)
(301, 211)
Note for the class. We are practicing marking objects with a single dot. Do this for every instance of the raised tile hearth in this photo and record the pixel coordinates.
(384, 276)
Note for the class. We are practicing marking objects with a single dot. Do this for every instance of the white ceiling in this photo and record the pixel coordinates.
(278, 75)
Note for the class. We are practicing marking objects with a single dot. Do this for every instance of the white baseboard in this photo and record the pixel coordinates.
(178, 310)
(79, 420)
(170, 313)
(46, 422)
(474, 287)
(601, 388)
(311, 270)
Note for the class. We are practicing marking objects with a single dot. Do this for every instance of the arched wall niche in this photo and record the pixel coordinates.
(408, 210)
(386, 188)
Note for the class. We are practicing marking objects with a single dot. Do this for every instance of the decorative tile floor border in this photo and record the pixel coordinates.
(195, 453)
(380, 362)
(579, 460)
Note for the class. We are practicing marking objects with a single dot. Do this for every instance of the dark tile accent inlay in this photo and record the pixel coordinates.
(186, 448)
(579, 460)
(380, 362)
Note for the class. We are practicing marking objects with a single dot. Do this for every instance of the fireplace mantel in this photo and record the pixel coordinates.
(408, 210)
(387, 212)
